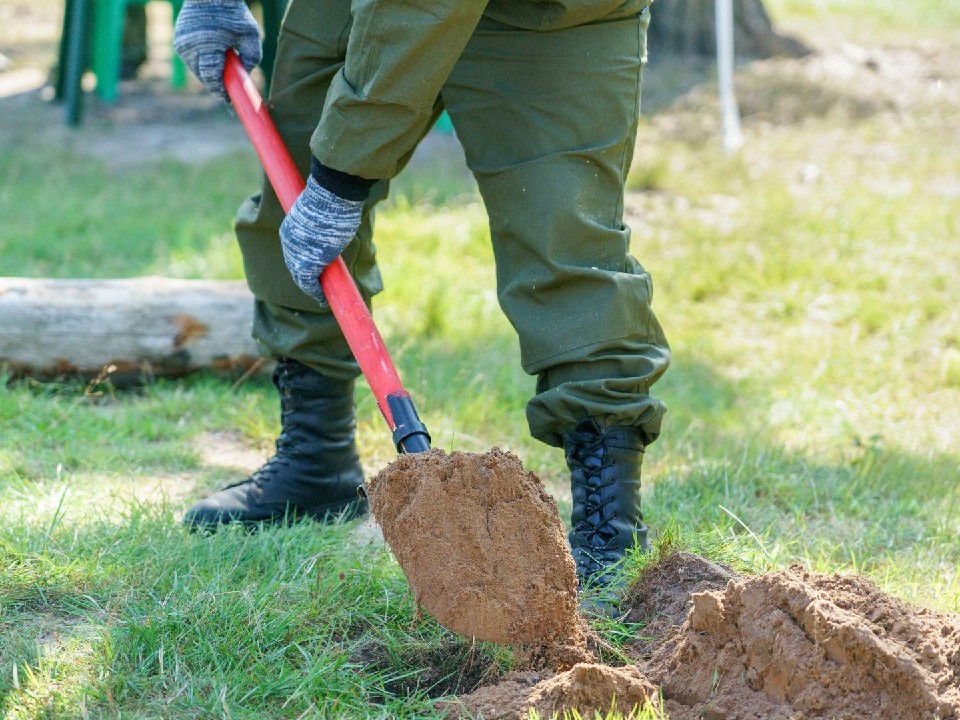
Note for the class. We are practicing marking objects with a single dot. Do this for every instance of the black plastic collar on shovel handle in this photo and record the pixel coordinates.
(409, 434)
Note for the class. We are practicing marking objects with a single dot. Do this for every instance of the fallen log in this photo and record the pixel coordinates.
(126, 330)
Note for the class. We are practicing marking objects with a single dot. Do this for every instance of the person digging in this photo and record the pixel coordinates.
(544, 98)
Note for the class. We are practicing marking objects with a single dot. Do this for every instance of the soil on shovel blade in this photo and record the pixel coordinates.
(481, 544)
(779, 646)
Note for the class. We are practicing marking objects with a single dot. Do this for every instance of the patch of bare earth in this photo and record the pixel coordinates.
(217, 451)
(898, 91)
(228, 450)
(906, 85)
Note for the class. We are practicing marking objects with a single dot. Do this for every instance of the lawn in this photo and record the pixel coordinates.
(806, 284)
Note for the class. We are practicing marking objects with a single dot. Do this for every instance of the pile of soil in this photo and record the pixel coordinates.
(481, 544)
(795, 644)
(779, 646)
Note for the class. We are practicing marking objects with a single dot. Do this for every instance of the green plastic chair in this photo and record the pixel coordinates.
(95, 28)
(108, 19)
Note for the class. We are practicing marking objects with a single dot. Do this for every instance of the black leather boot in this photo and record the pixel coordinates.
(315, 471)
(604, 467)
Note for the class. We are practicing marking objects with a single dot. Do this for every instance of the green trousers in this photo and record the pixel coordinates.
(547, 120)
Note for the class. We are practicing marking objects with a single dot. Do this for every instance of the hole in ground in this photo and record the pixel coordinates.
(450, 668)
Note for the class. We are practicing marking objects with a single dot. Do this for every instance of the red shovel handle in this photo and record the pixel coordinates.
(338, 287)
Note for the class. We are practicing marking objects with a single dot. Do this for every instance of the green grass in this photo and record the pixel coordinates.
(806, 285)
(244, 626)
(53, 228)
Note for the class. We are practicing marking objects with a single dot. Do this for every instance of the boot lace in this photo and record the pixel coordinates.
(590, 461)
(280, 459)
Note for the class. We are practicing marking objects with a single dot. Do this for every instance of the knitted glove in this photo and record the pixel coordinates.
(206, 29)
(316, 230)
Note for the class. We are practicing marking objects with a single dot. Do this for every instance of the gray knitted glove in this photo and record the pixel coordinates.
(316, 230)
(206, 29)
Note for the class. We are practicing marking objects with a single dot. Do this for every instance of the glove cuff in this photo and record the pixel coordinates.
(341, 184)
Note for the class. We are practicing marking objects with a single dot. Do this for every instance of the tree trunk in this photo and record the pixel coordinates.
(686, 27)
(125, 329)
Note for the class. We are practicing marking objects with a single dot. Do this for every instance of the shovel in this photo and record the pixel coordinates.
(478, 538)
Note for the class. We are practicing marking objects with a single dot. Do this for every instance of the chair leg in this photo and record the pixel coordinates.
(108, 43)
(63, 49)
(74, 56)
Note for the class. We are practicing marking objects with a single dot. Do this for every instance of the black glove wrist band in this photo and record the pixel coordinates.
(341, 184)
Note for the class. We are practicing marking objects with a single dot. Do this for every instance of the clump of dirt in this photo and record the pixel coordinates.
(481, 544)
(578, 646)
(587, 687)
(660, 598)
(778, 646)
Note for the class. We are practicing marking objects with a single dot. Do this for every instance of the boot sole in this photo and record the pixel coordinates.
(329, 513)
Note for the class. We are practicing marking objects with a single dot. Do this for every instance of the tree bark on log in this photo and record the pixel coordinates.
(126, 330)
(686, 27)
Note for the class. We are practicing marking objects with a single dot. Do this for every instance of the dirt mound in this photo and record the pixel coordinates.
(586, 687)
(794, 644)
(779, 646)
(481, 544)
